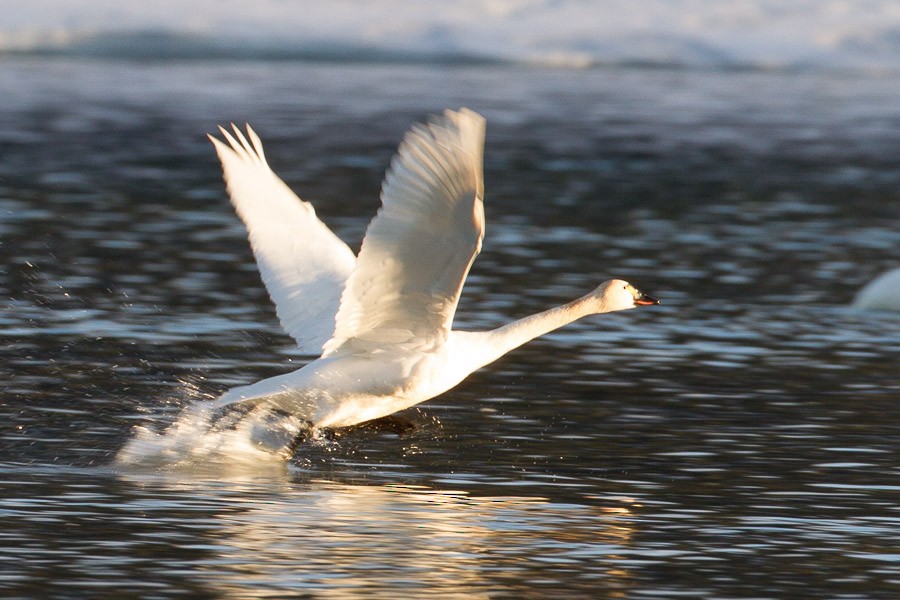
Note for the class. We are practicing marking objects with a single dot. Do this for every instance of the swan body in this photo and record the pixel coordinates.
(381, 322)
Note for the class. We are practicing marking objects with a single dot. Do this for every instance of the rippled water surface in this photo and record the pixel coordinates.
(740, 440)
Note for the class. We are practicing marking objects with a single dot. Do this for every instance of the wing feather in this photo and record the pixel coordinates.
(418, 249)
(303, 265)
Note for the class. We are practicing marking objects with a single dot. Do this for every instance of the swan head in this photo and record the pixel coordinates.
(616, 294)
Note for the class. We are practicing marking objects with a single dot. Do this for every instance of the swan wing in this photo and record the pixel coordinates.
(303, 265)
(419, 247)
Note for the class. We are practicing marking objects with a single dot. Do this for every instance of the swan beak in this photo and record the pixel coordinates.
(645, 300)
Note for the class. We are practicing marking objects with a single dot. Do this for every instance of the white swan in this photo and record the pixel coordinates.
(382, 321)
(882, 293)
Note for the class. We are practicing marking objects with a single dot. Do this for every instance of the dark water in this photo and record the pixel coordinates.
(740, 440)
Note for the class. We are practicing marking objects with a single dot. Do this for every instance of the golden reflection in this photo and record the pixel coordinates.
(296, 537)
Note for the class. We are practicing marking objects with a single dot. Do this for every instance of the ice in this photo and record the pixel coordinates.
(864, 34)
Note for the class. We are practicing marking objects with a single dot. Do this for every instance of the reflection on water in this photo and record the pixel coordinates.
(257, 533)
(738, 440)
(400, 537)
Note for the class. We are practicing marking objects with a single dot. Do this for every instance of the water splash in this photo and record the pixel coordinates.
(203, 435)
(193, 439)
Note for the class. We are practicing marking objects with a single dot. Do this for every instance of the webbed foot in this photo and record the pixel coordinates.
(391, 424)
(279, 432)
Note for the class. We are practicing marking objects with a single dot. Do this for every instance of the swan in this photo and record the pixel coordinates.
(380, 323)
(882, 293)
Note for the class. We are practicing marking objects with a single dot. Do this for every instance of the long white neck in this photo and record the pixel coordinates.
(487, 346)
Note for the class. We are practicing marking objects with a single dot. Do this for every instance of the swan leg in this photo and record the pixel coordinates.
(230, 415)
(279, 431)
(390, 423)
(300, 438)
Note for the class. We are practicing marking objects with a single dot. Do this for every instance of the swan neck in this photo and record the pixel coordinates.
(504, 339)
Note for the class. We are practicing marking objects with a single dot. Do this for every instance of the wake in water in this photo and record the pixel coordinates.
(202, 434)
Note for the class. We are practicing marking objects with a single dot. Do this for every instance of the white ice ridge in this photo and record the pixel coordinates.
(574, 33)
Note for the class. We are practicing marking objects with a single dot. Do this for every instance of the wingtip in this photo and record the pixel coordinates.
(467, 112)
(218, 144)
(257, 143)
(466, 115)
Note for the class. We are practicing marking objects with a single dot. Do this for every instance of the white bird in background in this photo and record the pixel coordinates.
(882, 293)
(381, 322)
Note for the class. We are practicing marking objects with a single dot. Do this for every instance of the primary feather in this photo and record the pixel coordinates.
(303, 265)
(418, 249)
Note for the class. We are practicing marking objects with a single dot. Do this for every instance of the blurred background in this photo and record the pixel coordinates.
(576, 34)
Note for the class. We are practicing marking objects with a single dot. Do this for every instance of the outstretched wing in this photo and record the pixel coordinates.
(418, 249)
(303, 265)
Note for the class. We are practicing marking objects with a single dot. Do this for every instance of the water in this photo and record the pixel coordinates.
(739, 440)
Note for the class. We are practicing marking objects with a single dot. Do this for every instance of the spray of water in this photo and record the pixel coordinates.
(200, 435)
